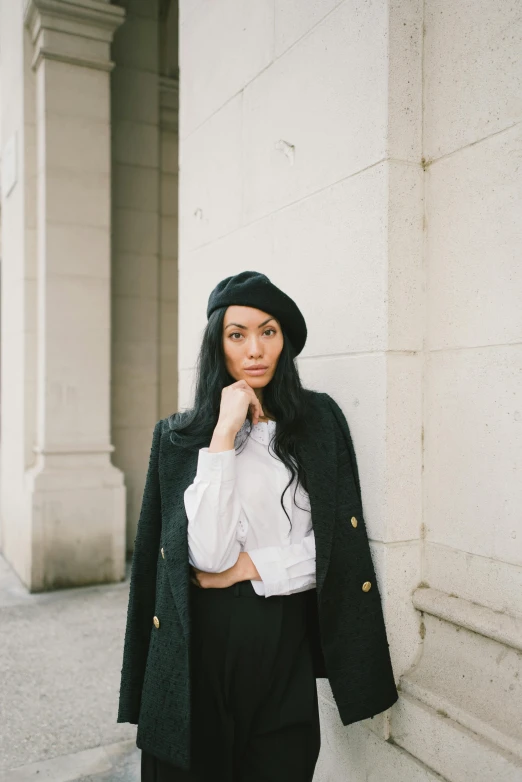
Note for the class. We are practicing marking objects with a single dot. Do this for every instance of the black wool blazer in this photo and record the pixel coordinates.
(346, 619)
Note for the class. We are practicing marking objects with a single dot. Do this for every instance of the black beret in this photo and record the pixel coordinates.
(253, 289)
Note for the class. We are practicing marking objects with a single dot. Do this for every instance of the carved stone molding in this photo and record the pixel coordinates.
(73, 31)
(464, 690)
(501, 627)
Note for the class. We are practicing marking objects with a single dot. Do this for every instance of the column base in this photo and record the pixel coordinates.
(77, 516)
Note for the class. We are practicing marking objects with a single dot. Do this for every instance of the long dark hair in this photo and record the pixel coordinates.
(283, 396)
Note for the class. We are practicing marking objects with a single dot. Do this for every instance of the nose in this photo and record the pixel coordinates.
(254, 346)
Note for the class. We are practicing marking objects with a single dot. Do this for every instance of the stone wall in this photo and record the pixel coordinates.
(354, 152)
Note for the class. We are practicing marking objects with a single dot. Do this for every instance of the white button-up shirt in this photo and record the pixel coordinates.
(234, 505)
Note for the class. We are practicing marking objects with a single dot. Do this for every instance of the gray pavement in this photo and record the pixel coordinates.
(60, 661)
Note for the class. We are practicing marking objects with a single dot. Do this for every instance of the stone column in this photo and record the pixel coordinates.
(168, 287)
(135, 248)
(76, 496)
(18, 167)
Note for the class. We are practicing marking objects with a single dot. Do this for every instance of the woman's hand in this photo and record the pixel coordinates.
(243, 570)
(236, 400)
(211, 580)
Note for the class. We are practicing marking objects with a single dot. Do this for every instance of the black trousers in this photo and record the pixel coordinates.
(254, 707)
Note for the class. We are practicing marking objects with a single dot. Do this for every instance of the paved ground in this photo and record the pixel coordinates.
(60, 661)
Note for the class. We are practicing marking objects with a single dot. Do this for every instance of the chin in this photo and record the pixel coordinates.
(257, 382)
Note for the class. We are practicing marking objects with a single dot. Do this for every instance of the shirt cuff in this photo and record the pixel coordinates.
(269, 566)
(216, 467)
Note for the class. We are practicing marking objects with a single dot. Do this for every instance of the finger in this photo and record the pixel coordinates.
(257, 410)
(254, 405)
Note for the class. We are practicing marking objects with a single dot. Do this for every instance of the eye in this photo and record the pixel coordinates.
(238, 332)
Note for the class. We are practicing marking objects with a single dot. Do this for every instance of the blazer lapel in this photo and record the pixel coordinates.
(178, 468)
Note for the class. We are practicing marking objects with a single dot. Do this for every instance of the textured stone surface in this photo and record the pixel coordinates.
(60, 662)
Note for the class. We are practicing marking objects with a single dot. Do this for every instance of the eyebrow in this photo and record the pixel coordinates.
(244, 327)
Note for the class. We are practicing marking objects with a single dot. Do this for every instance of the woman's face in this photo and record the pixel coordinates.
(251, 337)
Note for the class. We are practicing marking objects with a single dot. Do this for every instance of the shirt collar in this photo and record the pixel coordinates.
(262, 432)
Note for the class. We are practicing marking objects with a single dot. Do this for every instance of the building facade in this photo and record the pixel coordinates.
(366, 156)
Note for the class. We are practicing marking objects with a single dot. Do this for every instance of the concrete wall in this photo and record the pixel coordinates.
(354, 151)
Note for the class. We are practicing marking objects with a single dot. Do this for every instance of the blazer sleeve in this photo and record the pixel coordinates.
(142, 591)
(356, 645)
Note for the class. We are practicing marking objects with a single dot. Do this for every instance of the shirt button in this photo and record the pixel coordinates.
(162, 553)
(366, 586)
(156, 621)
(354, 521)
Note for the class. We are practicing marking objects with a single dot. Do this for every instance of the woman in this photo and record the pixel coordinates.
(252, 574)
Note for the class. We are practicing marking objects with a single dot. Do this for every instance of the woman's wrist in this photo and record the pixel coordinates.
(223, 437)
(245, 568)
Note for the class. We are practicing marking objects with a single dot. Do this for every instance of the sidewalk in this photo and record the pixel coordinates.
(60, 661)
